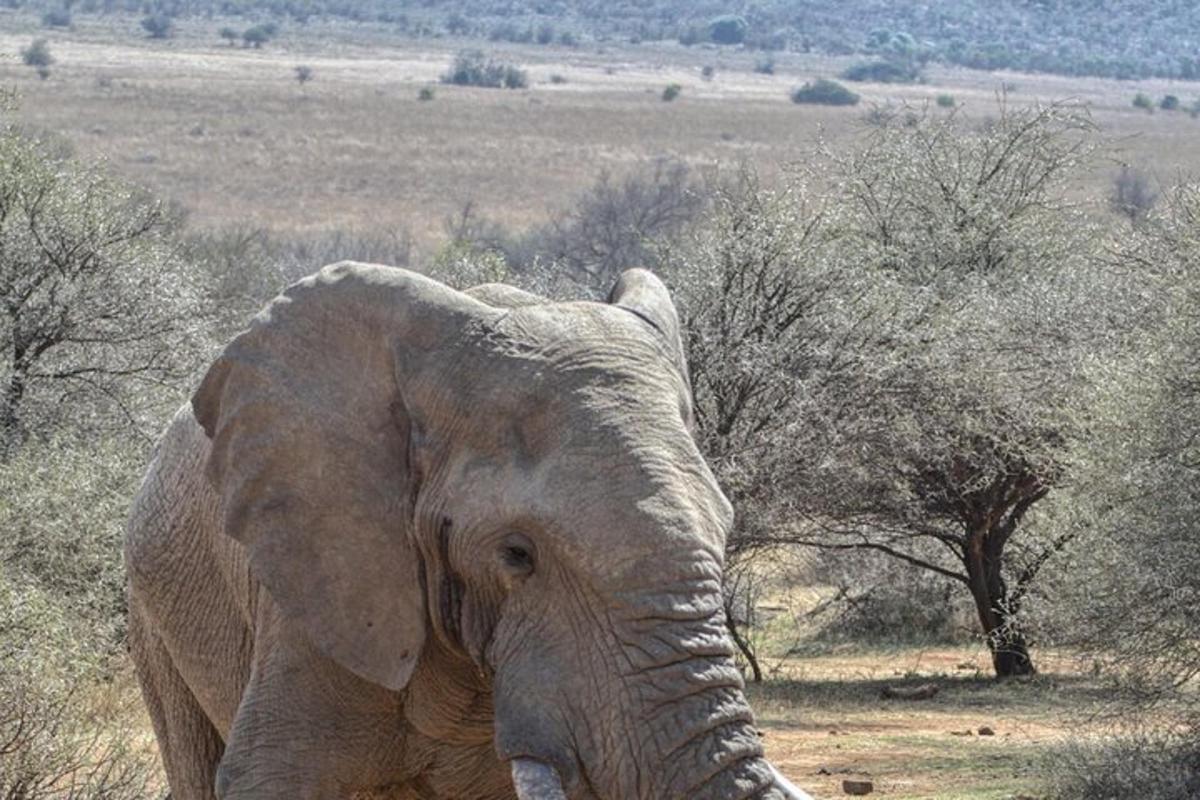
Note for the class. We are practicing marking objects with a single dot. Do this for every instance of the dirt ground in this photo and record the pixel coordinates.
(824, 721)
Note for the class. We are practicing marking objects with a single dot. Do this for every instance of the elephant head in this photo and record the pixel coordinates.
(516, 479)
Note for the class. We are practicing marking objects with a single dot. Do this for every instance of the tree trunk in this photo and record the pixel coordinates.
(1010, 652)
(744, 646)
(10, 421)
(997, 616)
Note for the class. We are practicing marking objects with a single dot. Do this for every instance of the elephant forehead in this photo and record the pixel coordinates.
(603, 495)
(536, 395)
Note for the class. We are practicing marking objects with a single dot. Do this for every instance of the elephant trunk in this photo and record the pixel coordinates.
(660, 716)
(704, 744)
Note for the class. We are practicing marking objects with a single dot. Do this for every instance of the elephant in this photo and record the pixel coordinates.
(413, 542)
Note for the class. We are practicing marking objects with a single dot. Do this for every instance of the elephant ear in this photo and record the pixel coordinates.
(641, 292)
(312, 449)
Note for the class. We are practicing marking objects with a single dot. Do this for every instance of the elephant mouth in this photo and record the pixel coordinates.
(536, 780)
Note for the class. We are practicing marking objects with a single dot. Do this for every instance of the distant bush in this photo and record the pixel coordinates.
(945, 100)
(707, 72)
(158, 26)
(304, 74)
(672, 92)
(1133, 195)
(616, 222)
(473, 68)
(568, 39)
(37, 54)
(1169, 103)
(59, 17)
(229, 34)
(1142, 100)
(426, 93)
(559, 79)
(826, 93)
(727, 29)
(765, 66)
(884, 71)
(545, 34)
(258, 35)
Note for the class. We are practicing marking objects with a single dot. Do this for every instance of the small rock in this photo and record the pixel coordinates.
(823, 771)
(986, 731)
(923, 692)
(857, 788)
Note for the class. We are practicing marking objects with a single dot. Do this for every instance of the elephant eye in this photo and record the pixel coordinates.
(517, 556)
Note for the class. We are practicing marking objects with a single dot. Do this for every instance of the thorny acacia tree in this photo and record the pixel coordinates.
(94, 314)
(897, 373)
(978, 391)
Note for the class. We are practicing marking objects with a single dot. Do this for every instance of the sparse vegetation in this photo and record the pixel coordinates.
(945, 101)
(37, 55)
(824, 92)
(672, 92)
(425, 94)
(727, 29)
(765, 66)
(1141, 100)
(304, 74)
(1169, 102)
(158, 26)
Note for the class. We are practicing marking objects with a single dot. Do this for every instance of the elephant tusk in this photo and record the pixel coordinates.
(789, 789)
(535, 780)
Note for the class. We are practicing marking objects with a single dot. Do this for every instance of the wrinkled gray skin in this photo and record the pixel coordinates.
(437, 544)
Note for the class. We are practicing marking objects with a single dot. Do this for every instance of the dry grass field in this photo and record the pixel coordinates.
(231, 136)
